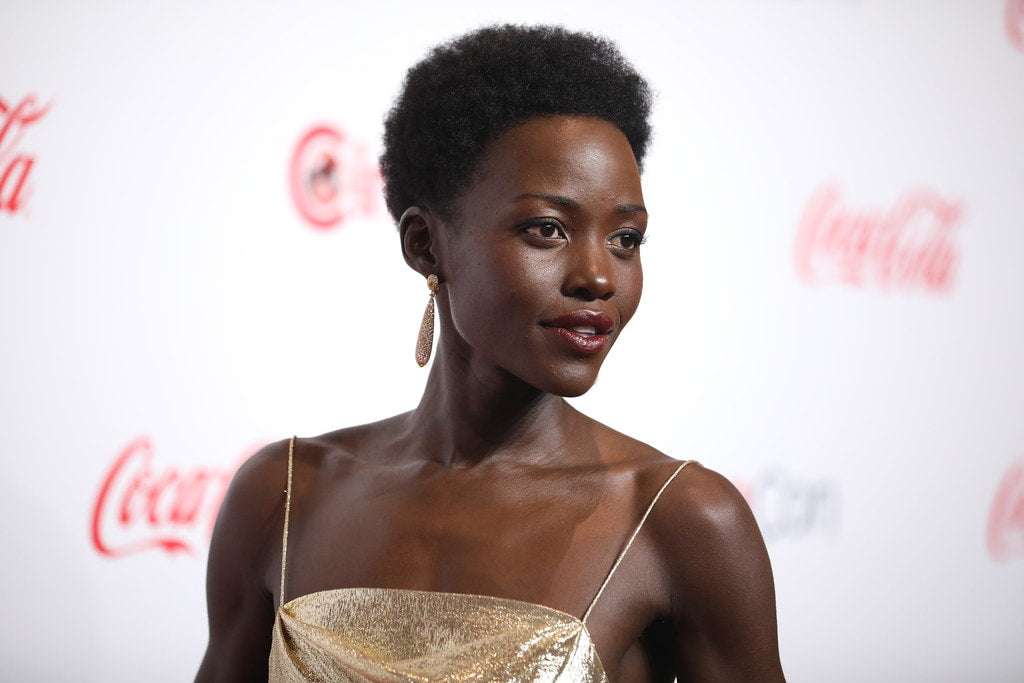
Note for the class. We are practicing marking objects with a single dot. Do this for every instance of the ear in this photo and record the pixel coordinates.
(418, 231)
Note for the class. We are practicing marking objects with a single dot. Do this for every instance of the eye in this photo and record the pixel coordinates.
(545, 229)
(627, 240)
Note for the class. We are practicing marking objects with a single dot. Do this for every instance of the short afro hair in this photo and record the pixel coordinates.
(467, 92)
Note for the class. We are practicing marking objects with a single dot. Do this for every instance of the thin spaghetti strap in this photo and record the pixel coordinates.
(287, 512)
(632, 538)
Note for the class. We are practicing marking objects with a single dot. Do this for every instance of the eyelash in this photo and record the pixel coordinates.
(638, 238)
(636, 235)
(540, 224)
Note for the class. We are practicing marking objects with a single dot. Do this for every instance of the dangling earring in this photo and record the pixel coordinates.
(425, 341)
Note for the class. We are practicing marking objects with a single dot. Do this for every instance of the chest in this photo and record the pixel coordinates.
(543, 538)
(536, 535)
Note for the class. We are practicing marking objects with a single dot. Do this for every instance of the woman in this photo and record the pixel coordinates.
(494, 532)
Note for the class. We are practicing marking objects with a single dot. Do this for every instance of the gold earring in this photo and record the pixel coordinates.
(425, 340)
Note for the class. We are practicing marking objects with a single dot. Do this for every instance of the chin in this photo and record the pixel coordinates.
(570, 384)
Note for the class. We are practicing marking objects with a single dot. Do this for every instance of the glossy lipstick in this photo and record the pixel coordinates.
(583, 331)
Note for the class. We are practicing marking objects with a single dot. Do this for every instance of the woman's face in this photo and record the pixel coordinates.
(541, 264)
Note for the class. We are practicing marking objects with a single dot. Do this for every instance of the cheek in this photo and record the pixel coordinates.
(489, 290)
(531, 282)
(631, 290)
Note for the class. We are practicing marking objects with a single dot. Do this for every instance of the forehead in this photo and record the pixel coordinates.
(561, 155)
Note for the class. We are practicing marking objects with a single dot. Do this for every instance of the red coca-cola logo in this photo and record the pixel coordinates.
(140, 506)
(1014, 16)
(333, 178)
(1005, 533)
(910, 245)
(16, 165)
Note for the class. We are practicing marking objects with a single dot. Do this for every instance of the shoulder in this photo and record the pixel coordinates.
(703, 498)
(702, 514)
(718, 579)
(690, 487)
(255, 498)
(252, 513)
(701, 532)
(240, 601)
(698, 510)
(260, 483)
(245, 547)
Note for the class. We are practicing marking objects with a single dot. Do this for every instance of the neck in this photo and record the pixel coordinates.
(469, 414)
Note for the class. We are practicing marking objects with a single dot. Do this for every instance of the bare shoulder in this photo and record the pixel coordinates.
(701, 505)
(248, 526)
(256, 491)
(707, 533)
(258, 486)
(719, 579)
(240, 603)
(698, 509)
(247, 537)
(244, 568)
(713, 568)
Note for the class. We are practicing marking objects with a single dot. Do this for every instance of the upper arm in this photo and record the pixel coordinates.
(239, 604)
(723, 593)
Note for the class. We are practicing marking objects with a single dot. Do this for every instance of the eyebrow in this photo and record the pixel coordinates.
(574, 205)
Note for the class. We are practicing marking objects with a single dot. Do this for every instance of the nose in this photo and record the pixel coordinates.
(589, 274)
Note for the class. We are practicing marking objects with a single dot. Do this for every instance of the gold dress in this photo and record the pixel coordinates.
(386, 634)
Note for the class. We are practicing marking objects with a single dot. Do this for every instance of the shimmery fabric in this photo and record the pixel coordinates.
(395, 635)
(375, 634)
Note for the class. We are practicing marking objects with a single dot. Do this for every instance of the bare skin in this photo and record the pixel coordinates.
(494, 485)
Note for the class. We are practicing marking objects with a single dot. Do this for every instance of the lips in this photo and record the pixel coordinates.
(582, 331)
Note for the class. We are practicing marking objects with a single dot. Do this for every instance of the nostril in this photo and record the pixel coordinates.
(586, 293)
(583, 293)
(594, 290)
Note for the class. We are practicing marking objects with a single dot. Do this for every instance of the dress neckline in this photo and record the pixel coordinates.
(352, 590)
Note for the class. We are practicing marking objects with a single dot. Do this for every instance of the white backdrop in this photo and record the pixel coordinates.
(833, 317)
